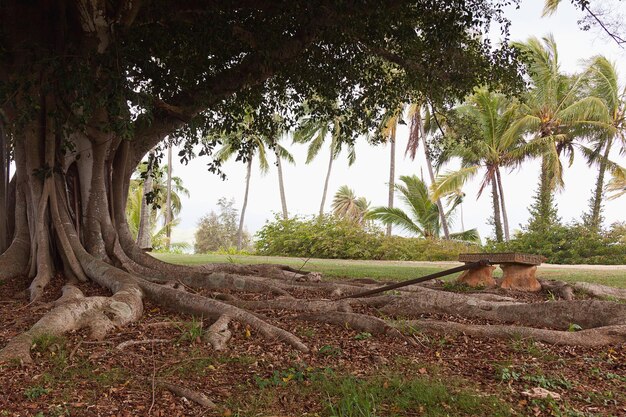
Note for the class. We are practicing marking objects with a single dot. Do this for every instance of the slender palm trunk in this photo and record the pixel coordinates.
(330, 166)
(596, 200)
(392, 172)
(505, 218)
(496, 210)
(245, 204)
(4, 188)
(168, 200)
(143, 230)
(281, 186)
(462, 220)
(431, 174)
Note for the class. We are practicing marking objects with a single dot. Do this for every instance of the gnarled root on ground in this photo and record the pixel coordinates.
(600, 336)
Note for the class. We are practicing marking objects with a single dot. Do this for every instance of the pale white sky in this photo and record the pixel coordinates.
(369, 175)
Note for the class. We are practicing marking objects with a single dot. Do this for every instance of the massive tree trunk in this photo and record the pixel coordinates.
(505, 217)
(392, 172)
(168, 200)
(4, 188)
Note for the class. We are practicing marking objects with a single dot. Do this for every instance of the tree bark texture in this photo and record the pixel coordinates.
(497, 222)
(245, 204)
(392, 172)
(281, 187)
(596, 201)
(505, 218)
(144, 238)
(327, 180)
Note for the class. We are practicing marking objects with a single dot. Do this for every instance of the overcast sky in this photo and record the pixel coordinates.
(369, 175)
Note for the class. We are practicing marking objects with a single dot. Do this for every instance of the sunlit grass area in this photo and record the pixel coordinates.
(397, 270)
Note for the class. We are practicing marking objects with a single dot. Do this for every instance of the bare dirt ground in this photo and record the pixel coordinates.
(80, 377)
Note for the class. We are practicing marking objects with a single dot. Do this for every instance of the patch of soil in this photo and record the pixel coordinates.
(80, 377)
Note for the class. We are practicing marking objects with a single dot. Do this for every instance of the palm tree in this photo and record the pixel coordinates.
(143, 217)
(490, 150)
(422, 218)
(315, 131)
(348, 206)
(602, 80)
(282, 153)
(617, 185)
(388, 130)
(420, 124)
(256, 146)
(554, 114)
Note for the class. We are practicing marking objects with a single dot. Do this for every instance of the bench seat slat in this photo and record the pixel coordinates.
(498, 258)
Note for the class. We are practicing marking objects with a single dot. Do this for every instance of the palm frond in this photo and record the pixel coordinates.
(396, 217)
(451, 181)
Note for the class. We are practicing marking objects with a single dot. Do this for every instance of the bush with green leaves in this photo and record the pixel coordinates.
(335, 238)
(569, 244)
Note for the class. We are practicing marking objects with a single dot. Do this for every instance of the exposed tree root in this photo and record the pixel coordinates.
(195, 396)
(309, 306)
(202, 306)
(601, 336)
(129, 343)
(601, 291)
(556, 314)
(97, 313)
(218, 333)
(559, 288)
(355, 321)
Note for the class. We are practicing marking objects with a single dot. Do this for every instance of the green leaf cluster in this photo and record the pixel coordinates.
(332, 237)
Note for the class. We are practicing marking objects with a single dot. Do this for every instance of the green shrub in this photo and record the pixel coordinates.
(570, 244)
(334, 238)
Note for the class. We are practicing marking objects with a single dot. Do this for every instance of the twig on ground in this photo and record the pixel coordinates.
(128, 343)
(195, 396)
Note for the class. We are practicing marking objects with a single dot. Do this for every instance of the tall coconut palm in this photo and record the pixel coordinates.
(554, 113)
(257, 146)
(490, 151)
(602, 80)
(315, 131)
(420, 124)
(388, 131)
(422, 217)
(281, 154)
(348, 206)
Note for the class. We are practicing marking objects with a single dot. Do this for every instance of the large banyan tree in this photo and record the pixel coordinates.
(89, 87)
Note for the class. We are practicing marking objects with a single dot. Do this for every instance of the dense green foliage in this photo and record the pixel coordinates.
(570, 244)
(335, 238)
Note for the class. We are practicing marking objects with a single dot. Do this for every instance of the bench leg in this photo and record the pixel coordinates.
(519, 277)
(478, 277)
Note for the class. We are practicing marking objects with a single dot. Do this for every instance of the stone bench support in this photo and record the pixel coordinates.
(518, 268)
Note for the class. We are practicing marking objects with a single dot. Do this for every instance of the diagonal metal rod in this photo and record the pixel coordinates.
(483, 262)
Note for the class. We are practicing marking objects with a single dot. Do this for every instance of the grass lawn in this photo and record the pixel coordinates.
(399, 270)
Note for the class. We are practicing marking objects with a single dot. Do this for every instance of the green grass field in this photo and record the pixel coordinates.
(398, 270)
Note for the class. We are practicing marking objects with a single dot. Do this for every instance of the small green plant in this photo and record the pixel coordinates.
(547, 382)
(191, 331)
(328, 350)
(363, 336)
(508, 375)
(294, 374)
(35, 392)
(573, 327)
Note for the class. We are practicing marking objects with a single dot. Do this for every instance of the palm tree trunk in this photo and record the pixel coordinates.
(4, 188)
(245, 204)
(431, 174)
(330, 166)
(505, 218)
(143, 231)
(496, 211)
(392, 172)
(168, 200)
(281, 186)
(596, 200)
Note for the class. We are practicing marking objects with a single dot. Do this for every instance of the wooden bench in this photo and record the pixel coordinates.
(518, 270)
